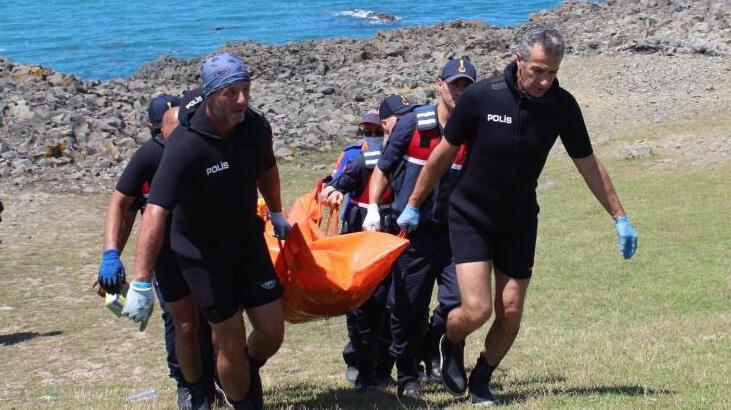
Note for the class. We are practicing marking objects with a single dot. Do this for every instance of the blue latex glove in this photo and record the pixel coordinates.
(111, 272)
(280, 224)
(627, 236)
(409, 219)
(140, 302)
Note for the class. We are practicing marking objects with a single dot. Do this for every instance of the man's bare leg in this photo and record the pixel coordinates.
(229, 339)
(268, 330)
(475, 309)
(509, 301)
(187, 348)
(476, 300)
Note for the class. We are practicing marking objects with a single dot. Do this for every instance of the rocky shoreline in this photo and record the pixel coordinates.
(62, 131)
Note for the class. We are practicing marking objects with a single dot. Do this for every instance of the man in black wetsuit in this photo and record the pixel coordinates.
(208, 178)
(129, 197)
(510, 122)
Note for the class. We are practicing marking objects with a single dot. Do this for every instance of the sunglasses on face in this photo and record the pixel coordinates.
(370, 132)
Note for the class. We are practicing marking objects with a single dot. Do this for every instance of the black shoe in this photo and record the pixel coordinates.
(199, 399)
(454, 375)
(364, 383)
(351, 374)
(184, 397)
(200, 403)
(409, 388)
(384, 380)
(430, 372)
(479, 384)
(426, 375)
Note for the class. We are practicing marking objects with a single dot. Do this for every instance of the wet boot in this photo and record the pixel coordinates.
(454, 375)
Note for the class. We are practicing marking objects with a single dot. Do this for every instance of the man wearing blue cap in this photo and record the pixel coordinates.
(427, 259)
(510, 122)
(208, 179)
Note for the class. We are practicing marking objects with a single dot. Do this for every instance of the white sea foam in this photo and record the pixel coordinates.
(373, 16)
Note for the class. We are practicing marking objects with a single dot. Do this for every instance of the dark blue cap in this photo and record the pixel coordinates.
(458, 68)
(394, 104)
(159, 105)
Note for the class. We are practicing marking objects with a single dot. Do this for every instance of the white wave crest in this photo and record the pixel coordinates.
(374, 16)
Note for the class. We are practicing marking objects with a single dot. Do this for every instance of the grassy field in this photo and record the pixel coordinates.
(599, 332)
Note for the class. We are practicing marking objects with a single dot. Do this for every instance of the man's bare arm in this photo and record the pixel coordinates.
(117, 225)
(598, 180)
(149, 241)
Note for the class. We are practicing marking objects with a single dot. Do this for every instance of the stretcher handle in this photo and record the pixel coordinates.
(334, 212)
(283, 255)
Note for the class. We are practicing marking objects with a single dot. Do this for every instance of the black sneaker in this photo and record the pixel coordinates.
(479, 385)
(454, 375)
(351, 374)
(184, 397)
(409, 388)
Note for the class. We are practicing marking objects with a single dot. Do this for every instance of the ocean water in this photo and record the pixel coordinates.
(113, 38)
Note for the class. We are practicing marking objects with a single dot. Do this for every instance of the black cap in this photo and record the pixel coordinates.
(159, 105)
(394, 104)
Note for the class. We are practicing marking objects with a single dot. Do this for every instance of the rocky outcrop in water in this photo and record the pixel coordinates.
(59, 129)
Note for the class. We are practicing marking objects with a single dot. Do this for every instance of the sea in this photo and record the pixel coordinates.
(101, 39)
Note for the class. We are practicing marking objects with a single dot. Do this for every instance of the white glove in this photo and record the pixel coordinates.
(280, 224)
(140, 302)
(372, 221)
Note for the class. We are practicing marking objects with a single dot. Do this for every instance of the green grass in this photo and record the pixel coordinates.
(599, 332)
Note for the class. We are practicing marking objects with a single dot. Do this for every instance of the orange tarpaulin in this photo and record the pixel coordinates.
(328, 276)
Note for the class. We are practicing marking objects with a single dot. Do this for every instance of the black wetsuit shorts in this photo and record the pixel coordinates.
(510, 250)
(220, 291)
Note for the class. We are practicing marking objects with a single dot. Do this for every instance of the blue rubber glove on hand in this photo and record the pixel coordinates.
(627, 236)
(409, 219)
(280, 224)
(140, 301)
(111, 272)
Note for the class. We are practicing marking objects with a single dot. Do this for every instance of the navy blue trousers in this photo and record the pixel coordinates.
(427, 260)
(369, 332)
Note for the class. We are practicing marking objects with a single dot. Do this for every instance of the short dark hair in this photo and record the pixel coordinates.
(548, 37)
